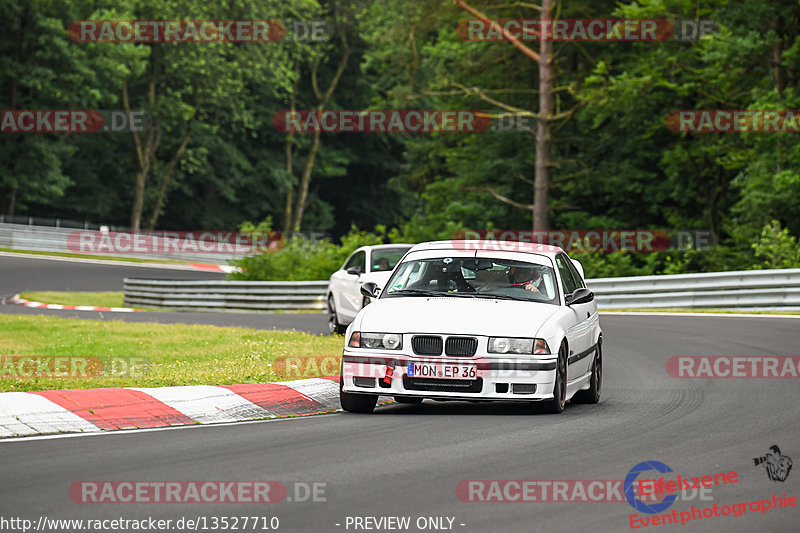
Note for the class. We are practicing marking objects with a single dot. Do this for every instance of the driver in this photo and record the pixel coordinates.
(527, 278)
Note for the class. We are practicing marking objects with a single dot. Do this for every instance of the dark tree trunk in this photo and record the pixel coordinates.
(541, 181)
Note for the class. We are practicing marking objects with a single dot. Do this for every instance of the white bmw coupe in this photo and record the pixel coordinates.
(476, 320)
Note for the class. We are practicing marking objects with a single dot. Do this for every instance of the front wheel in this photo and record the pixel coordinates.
(559, 400)
(356, 403)
(592, 394)
(333, 319)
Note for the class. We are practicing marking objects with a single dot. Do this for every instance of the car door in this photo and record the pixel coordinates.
(592, 316)
(579, 334)
(349, 283)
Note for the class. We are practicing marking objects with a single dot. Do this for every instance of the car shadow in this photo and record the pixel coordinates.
(466, 408)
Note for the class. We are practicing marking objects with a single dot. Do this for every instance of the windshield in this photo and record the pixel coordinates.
(384, 259)
(475, 278)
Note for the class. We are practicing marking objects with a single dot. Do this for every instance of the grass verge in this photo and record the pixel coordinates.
(97, 299)
(699, 310)
(123, 354)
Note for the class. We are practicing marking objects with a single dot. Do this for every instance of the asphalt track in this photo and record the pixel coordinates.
(408, 460)
(34, 273)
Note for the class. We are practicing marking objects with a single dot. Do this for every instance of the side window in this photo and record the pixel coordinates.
(406, 275)
(575, 274)
(358, 259)
(566, 275)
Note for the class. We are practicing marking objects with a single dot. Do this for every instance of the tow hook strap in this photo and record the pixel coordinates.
(389, 372)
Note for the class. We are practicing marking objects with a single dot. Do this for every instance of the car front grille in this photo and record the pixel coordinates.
(461, 346)
(443, 385)
(426, 344)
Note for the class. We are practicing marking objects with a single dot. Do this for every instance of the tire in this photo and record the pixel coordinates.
(559, 401)
(414, 400)
(356, 403)
(334, 327)
(592, 394)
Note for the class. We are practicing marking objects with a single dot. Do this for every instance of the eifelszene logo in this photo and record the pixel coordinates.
(630, 482)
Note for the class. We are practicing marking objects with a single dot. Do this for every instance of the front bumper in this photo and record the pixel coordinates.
(496, 378)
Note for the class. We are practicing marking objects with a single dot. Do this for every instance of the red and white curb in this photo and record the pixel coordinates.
(94, 410)
(215, 268)
(39, 305)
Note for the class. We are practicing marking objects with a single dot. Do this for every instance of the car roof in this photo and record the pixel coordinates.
(490, 245)
(384, 246)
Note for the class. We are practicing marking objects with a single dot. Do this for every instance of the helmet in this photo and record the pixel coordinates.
(525, 276)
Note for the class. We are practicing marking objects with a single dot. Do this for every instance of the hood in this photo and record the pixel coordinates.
(455, 315)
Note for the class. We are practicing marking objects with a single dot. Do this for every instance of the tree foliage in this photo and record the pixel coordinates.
(216, 159)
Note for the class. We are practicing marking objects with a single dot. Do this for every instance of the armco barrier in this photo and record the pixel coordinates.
(740, 289)
(224, 295)
(744, 289)
(54, 239)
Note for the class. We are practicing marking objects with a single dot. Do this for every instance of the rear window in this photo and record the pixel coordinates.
(385, 259)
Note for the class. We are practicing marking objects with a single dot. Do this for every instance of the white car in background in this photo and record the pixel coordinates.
(462, 320)
(367, 264)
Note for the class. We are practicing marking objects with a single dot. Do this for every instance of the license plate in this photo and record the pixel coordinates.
(442, 370)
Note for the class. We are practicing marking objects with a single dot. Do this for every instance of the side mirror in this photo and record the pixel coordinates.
(354, 271)
(580, 296)
(369, 289)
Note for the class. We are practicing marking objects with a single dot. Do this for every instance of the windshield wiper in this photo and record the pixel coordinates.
(421, 292)
(496, 296)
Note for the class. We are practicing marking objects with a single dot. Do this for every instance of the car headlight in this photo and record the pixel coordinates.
(520, 346)
(376, 341)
